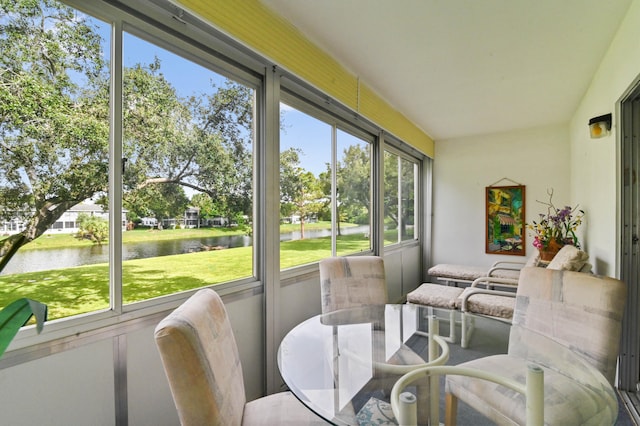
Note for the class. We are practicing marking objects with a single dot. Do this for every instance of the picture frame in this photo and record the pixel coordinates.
(505, 220)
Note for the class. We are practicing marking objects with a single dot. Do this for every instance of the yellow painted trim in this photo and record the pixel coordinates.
(260, 29)
(379, 111)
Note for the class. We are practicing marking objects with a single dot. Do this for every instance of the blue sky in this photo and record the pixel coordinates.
(187, 77)
(311, 135)
(300, 130)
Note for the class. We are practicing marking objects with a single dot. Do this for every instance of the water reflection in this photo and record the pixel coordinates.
(43, 260)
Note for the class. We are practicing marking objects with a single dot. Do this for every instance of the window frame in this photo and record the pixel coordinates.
(336, 122)
(420, 197)
(161, 29)
(159, 22)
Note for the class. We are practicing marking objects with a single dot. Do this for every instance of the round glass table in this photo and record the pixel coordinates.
(342, 365)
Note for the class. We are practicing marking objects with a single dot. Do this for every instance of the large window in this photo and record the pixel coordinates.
(305, 188)
(325, 199)
(131, 162)
(187, 178)
(353, 194)
(400, 180)
(54, 152)
(187, 168)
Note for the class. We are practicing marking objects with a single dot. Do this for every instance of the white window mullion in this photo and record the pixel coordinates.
(115, 171)
(334, 190)
(400, 194)
(416, 199)
(267, 215)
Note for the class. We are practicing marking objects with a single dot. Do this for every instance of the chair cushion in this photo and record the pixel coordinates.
(201, 360)
(463, 272)
(468, 273)
(488, 304)
(569, 258)
(376, 412)
(580, 311)
(347, 282)
(279, 409)
(534, 259)
(586, 267)
(506, 273)
(437, 295)
(566, 401)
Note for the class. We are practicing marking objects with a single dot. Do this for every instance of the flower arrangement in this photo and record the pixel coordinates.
(557, 226)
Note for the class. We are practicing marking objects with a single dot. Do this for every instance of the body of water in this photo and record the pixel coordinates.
(44, 260)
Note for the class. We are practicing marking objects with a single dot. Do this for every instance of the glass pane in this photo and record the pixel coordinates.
(391, 218)
(54, 133)
(407, 187)
(353, 172)
(305, 188)
(188, 138)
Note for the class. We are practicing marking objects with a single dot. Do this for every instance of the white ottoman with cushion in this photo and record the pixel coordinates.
(438, 296)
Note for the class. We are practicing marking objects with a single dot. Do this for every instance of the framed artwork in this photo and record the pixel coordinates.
(505, 220)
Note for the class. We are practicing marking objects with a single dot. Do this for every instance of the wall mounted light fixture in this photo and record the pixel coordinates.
(600, 126)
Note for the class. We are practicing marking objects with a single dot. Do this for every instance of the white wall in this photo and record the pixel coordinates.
(581, 170)
(537, 158)
(403, 271)
(74, 387)
(595, 163)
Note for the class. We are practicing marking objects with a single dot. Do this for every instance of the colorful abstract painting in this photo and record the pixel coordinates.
(505, 220)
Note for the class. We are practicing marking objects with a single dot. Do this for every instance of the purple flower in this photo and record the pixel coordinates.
(557, 224)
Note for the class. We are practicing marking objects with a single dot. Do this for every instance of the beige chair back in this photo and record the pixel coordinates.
(347, 282)
(201, 360)
(571, 310)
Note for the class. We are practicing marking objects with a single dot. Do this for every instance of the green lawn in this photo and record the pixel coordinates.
(50, 241)
(81, 289)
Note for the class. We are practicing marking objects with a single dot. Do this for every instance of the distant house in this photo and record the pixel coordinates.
(67, 223)
(294, 219)
(189, 219)
(192, 217)
(149, 221)
(291, 219)
(217, 221)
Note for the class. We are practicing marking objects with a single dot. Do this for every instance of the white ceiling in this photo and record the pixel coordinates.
(466, 67)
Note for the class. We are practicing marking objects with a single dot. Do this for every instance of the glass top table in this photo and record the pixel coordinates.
(338, 363)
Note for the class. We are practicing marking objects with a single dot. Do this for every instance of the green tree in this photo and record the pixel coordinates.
(202, 143)
(324, 183)
(53, 131)
(204, 202)
(353, 177)
(391, 188)
(354, 184)
(92, 228)
(54, 126)
(166, 201)
(407, 187)
(299, 189)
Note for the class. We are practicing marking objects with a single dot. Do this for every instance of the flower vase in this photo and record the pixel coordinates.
(547, 253)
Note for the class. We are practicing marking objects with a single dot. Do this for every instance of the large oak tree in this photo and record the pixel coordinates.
(54, 126)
